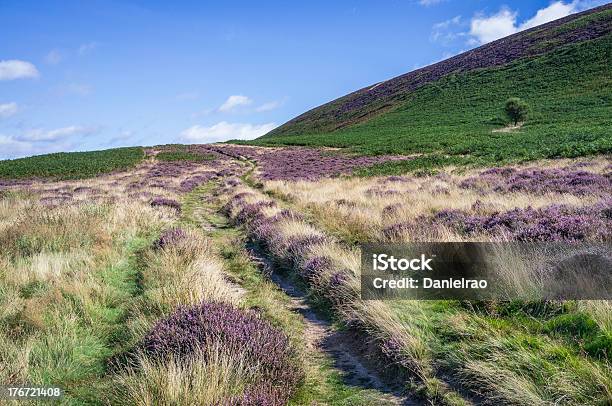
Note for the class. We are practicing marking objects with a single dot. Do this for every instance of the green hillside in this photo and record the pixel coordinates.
(452, 119)
(71, 165)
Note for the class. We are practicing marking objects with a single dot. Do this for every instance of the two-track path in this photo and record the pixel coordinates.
(321, 338)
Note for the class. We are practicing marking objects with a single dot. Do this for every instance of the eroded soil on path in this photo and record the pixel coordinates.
(348, 350)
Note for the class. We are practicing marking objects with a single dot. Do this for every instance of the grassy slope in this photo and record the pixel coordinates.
(570, 100)
(72, 165)
(371, 101)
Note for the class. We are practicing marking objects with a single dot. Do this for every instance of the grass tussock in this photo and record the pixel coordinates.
(201, 380)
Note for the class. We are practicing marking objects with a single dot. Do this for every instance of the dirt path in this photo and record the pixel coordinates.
(340, 346)
(343, 348)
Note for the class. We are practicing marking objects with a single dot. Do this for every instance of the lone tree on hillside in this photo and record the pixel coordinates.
(516, 110)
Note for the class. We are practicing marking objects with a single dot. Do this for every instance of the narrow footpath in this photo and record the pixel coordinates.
(336, 373)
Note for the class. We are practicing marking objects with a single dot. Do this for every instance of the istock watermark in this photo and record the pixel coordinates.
(487, 271)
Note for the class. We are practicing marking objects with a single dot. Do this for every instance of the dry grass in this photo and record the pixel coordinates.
(354, 208)
(200, 380)
(51, 285)
(186, 274)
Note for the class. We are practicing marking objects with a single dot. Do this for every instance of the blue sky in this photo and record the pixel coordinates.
(80, 75)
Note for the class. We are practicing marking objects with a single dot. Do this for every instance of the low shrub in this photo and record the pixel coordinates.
(239, 332)
(164, 202)
(170, 237)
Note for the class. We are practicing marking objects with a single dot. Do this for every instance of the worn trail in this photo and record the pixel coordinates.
(341, 346)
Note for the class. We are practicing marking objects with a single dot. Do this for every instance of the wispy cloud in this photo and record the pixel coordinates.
(39, 134)
(445, 31)
(78, 88)
(8, 109)
(269, 106)
(233, 102)
(11, 148)
(428, 3)
(53, 57)
(224, 131)
(125, 138)
(16, 69)
(40, 141)
(88, 47)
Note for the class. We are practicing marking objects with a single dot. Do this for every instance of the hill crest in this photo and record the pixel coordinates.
(378, 98)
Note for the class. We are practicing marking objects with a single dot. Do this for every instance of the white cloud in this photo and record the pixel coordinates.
(554, 11)
(485, 29)
(235, 101)
(39, 141)
(38, 134)
(16, 69)
(224, 131)
(269, 106)
(85, 48)
(53, 57)
(10, 147)
(8, 109)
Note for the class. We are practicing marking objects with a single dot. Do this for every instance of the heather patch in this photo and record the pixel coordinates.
(264, 228)
(539, 181)
(170, 237)
(397, 231)
(298, 246)
(378, 192)
(54, 201)
(391, 210)
(315, 266)
(165, 202)
(394, 179)
(191, 183)
(551, 223)
(302, 163)
(213, 325)
(253, 211)
(345, 203)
